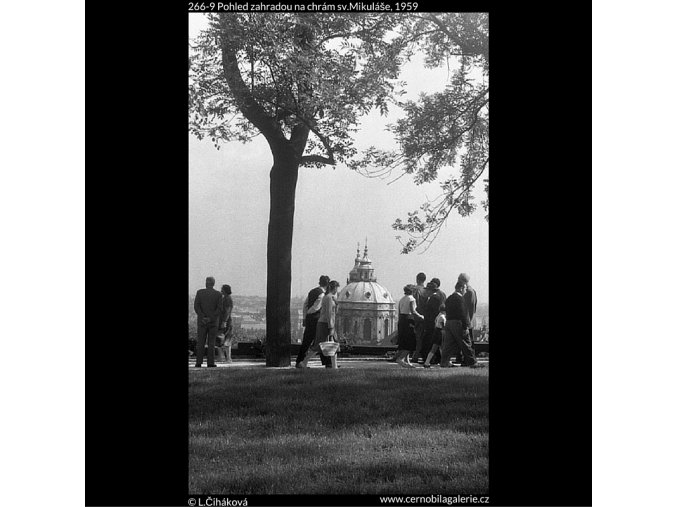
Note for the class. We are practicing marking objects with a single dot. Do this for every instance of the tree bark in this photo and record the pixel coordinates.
(283, 178)
(287, 156)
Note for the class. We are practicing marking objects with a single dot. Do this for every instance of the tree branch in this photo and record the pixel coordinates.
(310, 124)
(461, 44)
(252, 110)
(317, 158)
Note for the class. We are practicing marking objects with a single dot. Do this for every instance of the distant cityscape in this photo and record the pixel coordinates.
(249, 318)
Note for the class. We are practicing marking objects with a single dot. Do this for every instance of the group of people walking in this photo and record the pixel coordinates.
(319, 319)
(214, 321)
(428, 317)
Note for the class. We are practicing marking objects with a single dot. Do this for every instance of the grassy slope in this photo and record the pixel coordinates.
(343, 431)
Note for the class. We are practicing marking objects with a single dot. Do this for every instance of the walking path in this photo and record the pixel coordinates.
(348, 362)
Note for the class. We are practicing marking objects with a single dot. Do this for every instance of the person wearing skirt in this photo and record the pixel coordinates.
(406, 341)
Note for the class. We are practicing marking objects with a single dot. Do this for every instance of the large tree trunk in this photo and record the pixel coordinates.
(283, 177)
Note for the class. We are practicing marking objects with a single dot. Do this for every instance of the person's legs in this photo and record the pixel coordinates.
(403, 359)
(321, 333)
(308, 338)
(431, 354)
(461, 357)
(211, 342)
(460, 341)
(418, 332)
(446, 347)
(325, 360)
(437, 354)
(312, 352)
(427, 338)
(200, 346)
(468, 352)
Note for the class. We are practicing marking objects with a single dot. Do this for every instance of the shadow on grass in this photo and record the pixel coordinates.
(335, 399)
(345, 431)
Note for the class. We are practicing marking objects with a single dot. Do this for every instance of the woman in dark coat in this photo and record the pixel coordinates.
(225, 321)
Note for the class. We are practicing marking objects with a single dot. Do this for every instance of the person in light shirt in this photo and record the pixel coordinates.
(325, 324)
(406, 338)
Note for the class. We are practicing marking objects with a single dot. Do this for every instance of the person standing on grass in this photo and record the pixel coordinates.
(406, 338)
(456, 327)
(420, 294)
(311, 314)
(225, 321)
(326, 324)
(208, 308)
(470, 298)
(430, 310)
(438, 334)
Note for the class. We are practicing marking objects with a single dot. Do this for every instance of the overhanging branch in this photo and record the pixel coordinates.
(317, 158)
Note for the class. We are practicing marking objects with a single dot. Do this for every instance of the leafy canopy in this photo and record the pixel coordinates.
(444, 129)
(321, 71)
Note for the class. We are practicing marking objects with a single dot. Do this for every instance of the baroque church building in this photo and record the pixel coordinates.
(366, 310)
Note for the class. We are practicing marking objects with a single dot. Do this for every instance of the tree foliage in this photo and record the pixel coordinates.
(324, 71)
(318, 71)
(444, 129)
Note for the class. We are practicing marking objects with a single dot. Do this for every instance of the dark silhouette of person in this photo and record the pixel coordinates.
(208, 308)
(226, 322)
(470, 297)
(421, 294)
(457, 335)
(311, 314)
(430, 310)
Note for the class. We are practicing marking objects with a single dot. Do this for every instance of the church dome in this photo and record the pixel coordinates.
(366, 311)
(364, 292)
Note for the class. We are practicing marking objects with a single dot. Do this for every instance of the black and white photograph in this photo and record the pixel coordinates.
(338, 338)
(314, 177)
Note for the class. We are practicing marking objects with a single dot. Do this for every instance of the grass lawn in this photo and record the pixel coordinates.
(346, 431)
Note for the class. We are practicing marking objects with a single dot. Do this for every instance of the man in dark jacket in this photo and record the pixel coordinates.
(421, 294)
(430, 310)
(311, 314)
(470, 298)
(457, 334)
(208, 308)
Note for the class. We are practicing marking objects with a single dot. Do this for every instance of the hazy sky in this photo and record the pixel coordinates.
(335, 208)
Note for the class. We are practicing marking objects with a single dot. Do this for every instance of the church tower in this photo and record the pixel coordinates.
(366, 310)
